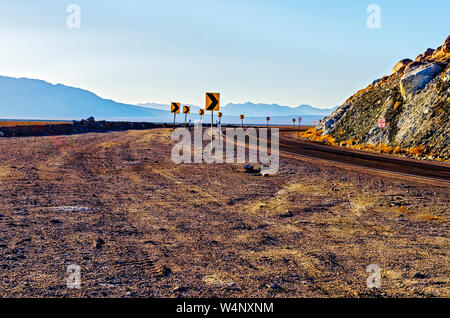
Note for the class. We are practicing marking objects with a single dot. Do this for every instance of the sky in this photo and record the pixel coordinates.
(288, 52)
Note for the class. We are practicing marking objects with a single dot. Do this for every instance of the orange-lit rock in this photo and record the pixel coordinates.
(401, 65)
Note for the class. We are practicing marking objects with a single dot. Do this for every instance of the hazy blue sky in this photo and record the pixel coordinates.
(286, 52)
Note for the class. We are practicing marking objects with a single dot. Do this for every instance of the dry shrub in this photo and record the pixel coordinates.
(403, 209)
(430, 217)
(386, 148)
(397, 150)
(316, 135)
(360, 147)
(373, 147)
(309, 133)
(417, 150)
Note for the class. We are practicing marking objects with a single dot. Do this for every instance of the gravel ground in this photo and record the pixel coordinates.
(139, 225)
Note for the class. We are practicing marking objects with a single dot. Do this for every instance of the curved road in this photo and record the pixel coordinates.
(426, 170)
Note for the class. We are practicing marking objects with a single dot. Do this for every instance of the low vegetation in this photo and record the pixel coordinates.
(419, 151)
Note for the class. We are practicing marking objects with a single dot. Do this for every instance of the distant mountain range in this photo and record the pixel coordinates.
(35, 99)
(22, 98)
(258, 110)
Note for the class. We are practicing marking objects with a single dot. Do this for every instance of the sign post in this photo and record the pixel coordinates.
(186, 111)
(175, 109)
(212, 103)
(381, 125)
(293, 122)
(242, 121)
(219, 123)
(268, 119)
(201, 112)
(299, 128)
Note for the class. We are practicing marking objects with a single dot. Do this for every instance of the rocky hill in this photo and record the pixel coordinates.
(414, 100)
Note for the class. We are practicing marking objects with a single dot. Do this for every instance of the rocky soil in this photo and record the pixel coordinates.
(414, 100)
(139, 225)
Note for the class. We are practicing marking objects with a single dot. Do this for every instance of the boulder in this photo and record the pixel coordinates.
(417, 76)
(401, 65)
(425, 55)
(446, 45)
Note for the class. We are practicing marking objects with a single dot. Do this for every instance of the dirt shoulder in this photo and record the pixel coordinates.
(139, 225)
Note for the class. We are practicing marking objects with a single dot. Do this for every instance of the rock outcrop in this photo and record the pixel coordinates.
(77, 127)
(446, 45)
(417, 75)
(415, 101)
(400, 66)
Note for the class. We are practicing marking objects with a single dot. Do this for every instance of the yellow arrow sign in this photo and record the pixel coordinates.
(201, 112)
(212, 101)
(267, 118)
(293, 120)
(175, 108)
(242, 116)
(186, 109)
(219, 115)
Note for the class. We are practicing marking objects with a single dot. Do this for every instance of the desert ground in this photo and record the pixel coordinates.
(139, 225)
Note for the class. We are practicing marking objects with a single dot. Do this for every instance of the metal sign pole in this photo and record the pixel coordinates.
(212, 128)
(174, 116)
(381, 138)
(219, 124)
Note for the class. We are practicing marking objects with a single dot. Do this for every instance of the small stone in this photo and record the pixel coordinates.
(99, 242)
(274, 286)
(163, 270)
(420, 276)
(288, 214)
(249, 168)
(180, 289)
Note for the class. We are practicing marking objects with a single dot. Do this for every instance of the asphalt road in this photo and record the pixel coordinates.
(290, 143)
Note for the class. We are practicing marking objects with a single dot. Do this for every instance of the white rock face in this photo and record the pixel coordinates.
(416, 77)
